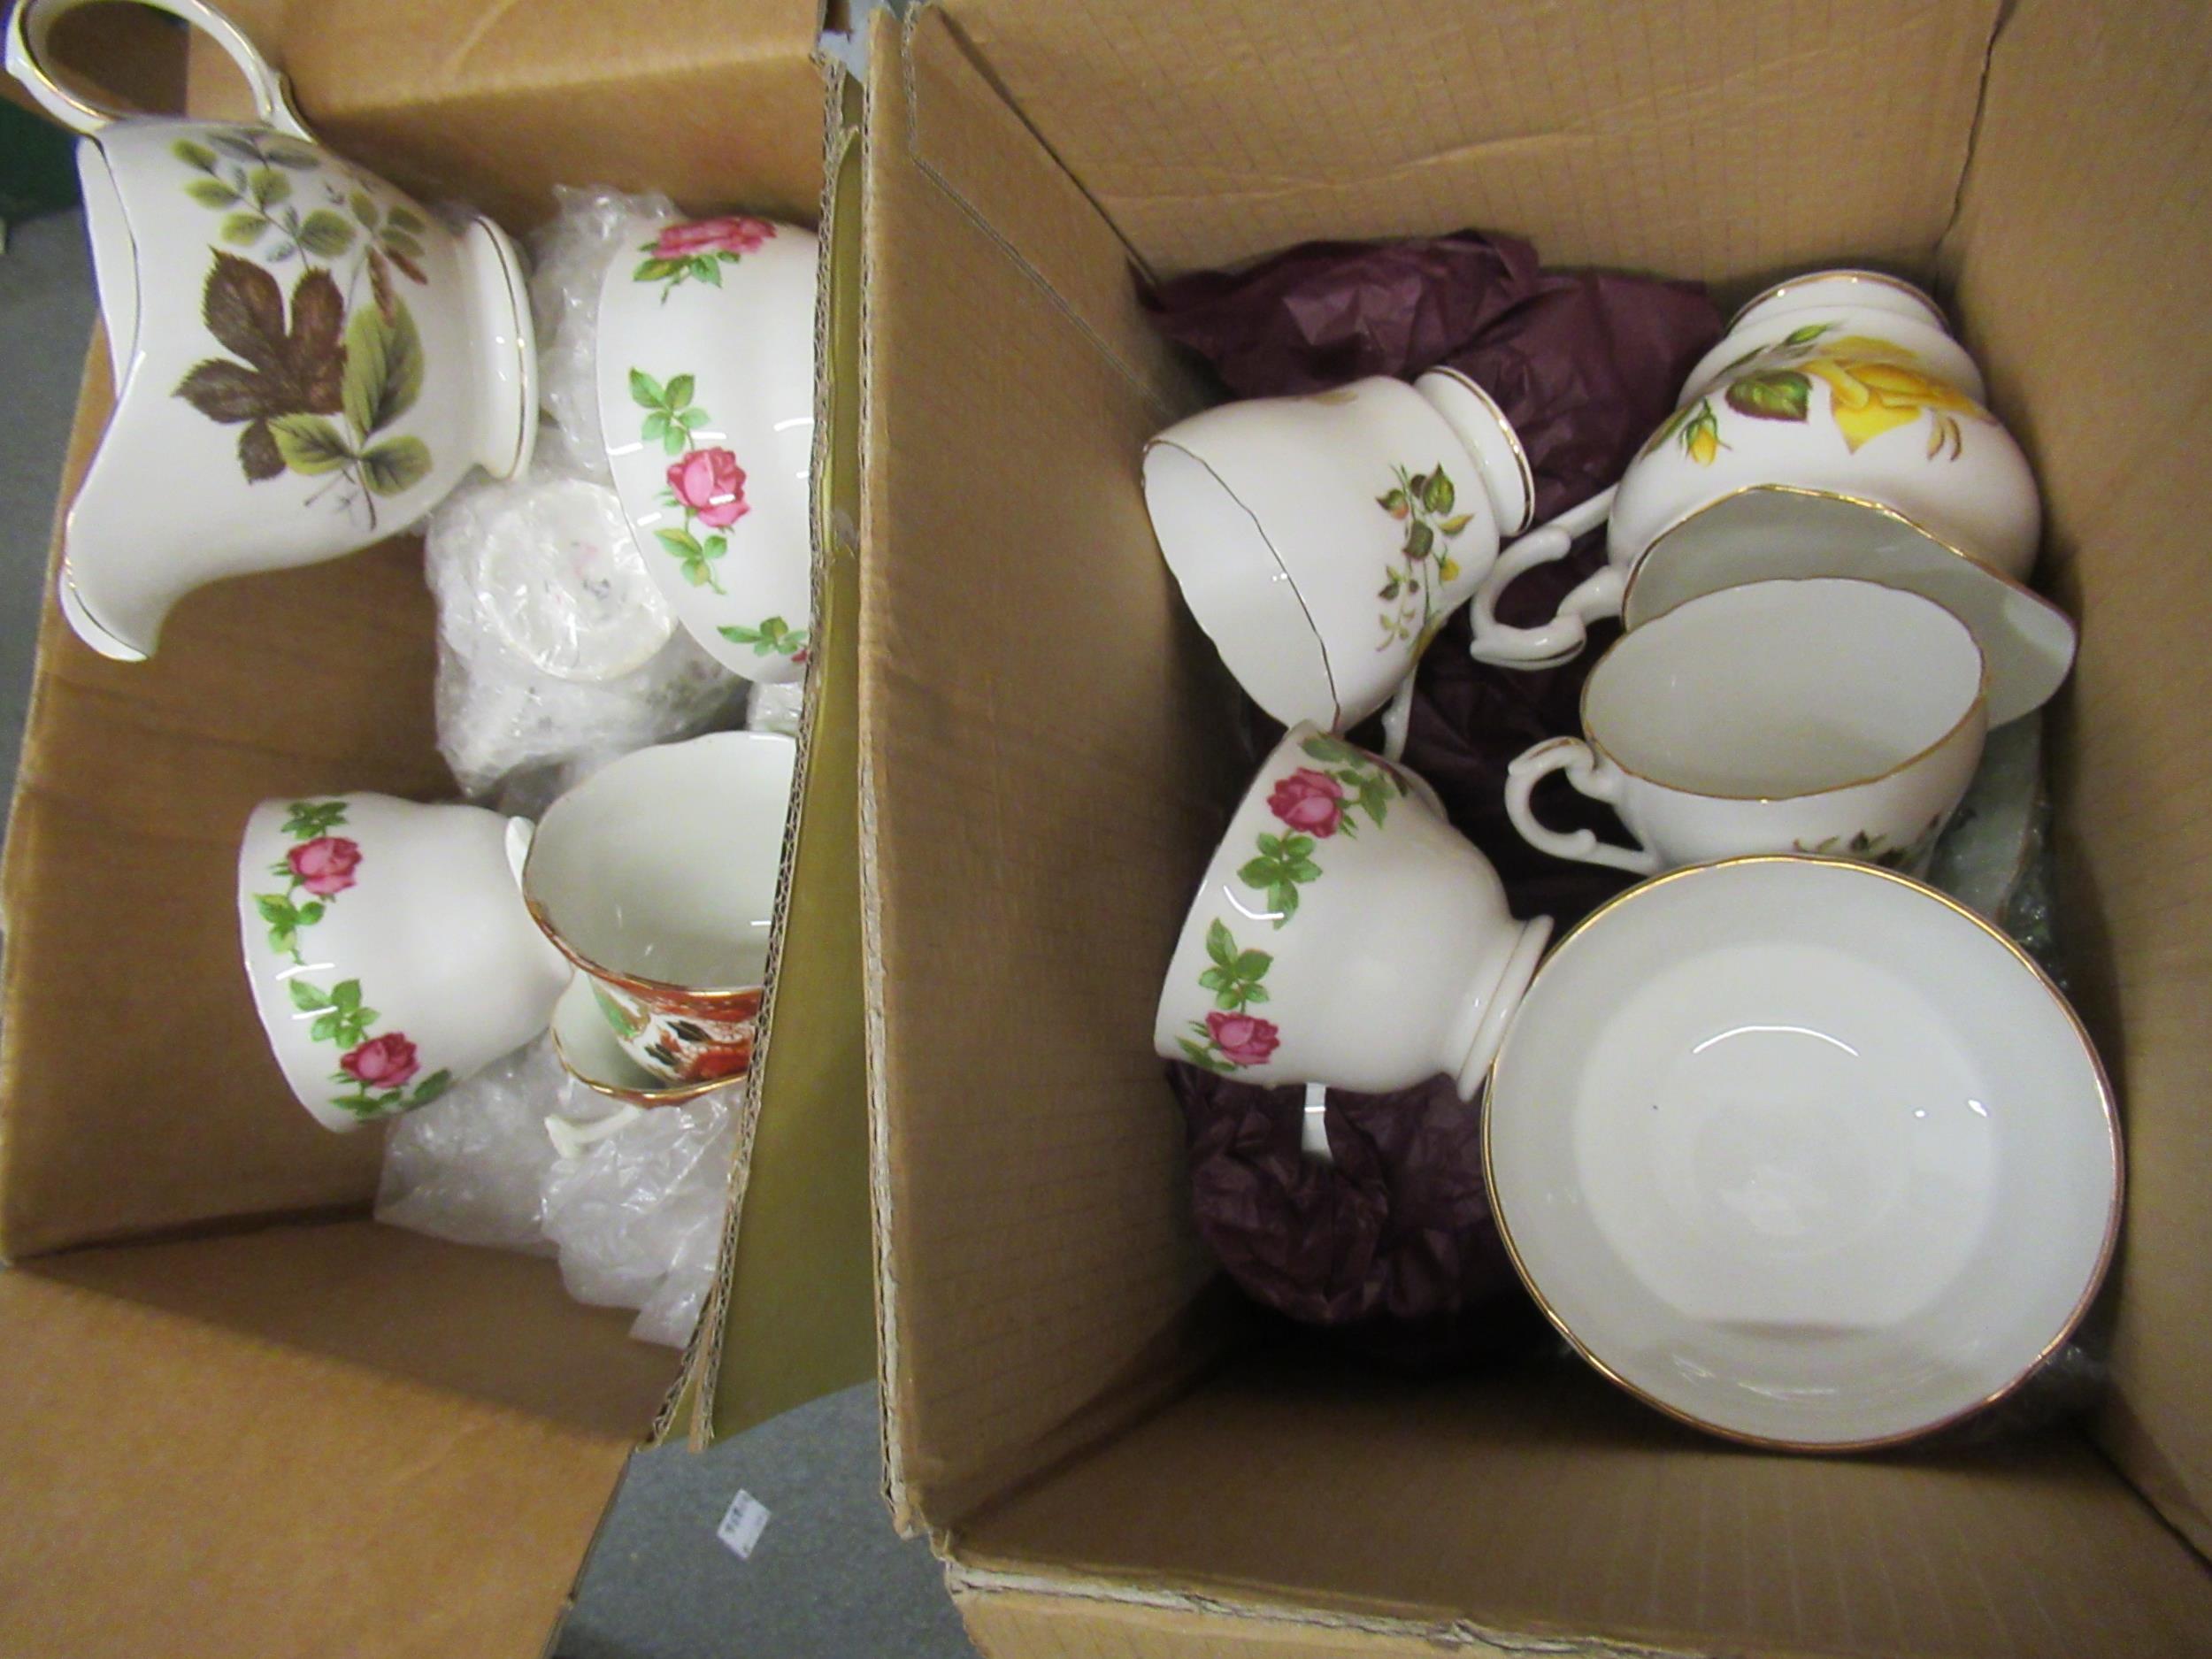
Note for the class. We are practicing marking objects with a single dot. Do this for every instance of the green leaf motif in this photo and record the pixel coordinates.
(269, 186)
(346, 994)
(243, 230)
(407, 222)
(656, 428)
(1395, 502)
(309, 444)
(1452, 527)
(211, 193)
(1774, 395)
(682, 543)
(384, 369)
(194, 155)
(1219, 944)
(363, 208)
(1438, 494)
(306, 998)
(401, 244)
(708, 271)
(655, 270)
(395, 465)
(325, 235)
(1198, 1054)
(1253, 964)
(646, 391)
(307, 819)
(1419, 541)
(1804, 336)
(431, 1087)
(679, 389)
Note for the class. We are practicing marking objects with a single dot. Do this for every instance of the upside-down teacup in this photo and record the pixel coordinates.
(387, 949)
(304, 358)
(1837, 384)
(657, 876)
(1320, 541)
(1345, 934)
(1829, 717)
(706, 399)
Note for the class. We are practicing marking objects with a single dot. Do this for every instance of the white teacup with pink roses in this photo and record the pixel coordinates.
(388, 948)
(706, 397)
(1345, 934)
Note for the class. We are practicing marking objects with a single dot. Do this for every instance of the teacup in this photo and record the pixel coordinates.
(657, 876)
(305, 359)
(1821, 387)
(1320, 541)
(387, 949)
(706, 398)
(1836, 717)
(1345, 934)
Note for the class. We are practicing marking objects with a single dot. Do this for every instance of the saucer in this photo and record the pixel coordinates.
(589, 1050)
(1803, 1152)
(1777, 530)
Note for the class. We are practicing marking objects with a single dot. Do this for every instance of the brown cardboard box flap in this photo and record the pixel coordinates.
(1716, 142)
(1028, 1151)
(717, 103)
(2079, 257)
(302, 1443)
(1543, 1505)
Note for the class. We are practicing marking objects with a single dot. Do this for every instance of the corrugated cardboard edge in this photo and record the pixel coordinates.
(1013, 1613)
(735, 1383)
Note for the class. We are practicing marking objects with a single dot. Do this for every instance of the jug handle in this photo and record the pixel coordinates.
(33, 22)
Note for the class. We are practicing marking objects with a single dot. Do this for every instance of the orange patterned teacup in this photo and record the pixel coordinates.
(656, 877)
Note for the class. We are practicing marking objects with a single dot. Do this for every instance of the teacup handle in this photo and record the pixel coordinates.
(33, 21)
(1560, 639)
(1592, 774)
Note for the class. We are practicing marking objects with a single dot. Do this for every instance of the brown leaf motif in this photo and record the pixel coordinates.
(287, 370)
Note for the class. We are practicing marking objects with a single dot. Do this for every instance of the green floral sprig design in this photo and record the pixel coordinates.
(375, 1070)
(1231, 1037)
(1316, 803)
(1423, 501)
(671, 416)
(1778, 392)
(1875, 848)
(320, 863)
(245, 175)
(774, 637)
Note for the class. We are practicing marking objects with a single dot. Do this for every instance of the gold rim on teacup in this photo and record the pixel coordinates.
(2106, 1104)
(1980, 701)
(1814, 279)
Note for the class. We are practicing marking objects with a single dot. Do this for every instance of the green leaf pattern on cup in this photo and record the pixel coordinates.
(1423, 503)
(1232, 1037)
(1315, 804)
(774, 637)
(378, 1071)
(317, 378)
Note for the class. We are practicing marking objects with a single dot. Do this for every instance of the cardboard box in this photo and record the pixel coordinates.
(1109, 1459)
(235, 1416)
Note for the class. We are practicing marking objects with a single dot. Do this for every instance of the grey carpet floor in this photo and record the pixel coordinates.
(827, 1578)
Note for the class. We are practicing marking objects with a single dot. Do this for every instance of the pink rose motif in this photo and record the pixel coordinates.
(324, 865)
(712, 485)
(700, 236)
(1242, 1039)
(385, 1062)
(1309, 801)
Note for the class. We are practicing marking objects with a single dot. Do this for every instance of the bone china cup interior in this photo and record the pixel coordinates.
(657, 876)
(1817, 716)
(1803, 1152)
(305, 360)
(387, 949)
(1320, 541)
(706, 397)
(1774, 531)
(1345, 933)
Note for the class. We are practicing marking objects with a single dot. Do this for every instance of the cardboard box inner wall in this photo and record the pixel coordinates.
(1110, 1460)
(240, 1417)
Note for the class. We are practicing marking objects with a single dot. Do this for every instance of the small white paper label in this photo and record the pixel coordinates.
(742, 1524)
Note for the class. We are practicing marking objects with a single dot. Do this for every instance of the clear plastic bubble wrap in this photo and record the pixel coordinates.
(570, 256)
(632, 1204)
(637, 1217)
(500, 713)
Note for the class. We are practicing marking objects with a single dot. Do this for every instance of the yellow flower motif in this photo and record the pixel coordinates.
(1871, 395)
(1704, 442)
